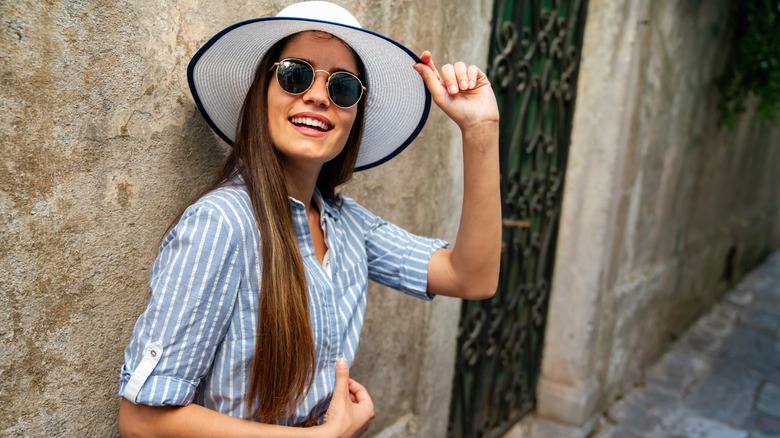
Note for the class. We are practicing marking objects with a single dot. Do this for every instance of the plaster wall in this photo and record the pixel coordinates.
(102, 146)
(663, 208)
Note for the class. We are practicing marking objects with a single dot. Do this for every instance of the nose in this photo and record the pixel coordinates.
(317, 94)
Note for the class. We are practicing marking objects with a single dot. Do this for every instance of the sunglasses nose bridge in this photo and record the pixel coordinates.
(319, 92)
(327, 77)
(327, 73)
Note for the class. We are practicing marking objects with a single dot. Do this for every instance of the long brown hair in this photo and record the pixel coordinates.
(284, 359)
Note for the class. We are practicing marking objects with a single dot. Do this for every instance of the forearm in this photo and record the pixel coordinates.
(476, 256)
(196, 421)
(470, 269)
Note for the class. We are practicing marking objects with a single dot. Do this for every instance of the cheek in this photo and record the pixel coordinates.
(348, 125)
(349, 121)
(276, 115)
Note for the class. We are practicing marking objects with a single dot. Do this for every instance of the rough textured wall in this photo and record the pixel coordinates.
(101, 147)
(662, 207)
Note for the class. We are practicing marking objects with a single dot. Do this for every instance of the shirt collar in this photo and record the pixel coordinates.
(324, 206)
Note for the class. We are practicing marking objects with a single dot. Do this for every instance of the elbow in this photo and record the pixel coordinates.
(135, 421)
(484, 282)
(489, 293)
(127, 431)
(481, 294)
(476, 295)
(128, 428)
(482, 290)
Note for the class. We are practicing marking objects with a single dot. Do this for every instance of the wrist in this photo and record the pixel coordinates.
(485, 125)
(480, 138)
(324, 430)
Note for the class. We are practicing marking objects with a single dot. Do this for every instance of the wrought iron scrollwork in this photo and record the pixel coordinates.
(534, 60)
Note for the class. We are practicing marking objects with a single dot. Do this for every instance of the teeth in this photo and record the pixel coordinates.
(310, 122)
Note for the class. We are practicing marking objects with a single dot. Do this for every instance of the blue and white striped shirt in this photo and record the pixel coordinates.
(195, 340)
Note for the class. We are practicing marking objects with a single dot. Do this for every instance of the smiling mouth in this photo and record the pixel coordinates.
(311, 123)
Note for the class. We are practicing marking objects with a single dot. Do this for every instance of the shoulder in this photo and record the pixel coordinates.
(355, 216)
(349, 208)
(228, 203)
(224, 213)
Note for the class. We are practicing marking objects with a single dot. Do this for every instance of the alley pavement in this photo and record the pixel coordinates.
(720, 379)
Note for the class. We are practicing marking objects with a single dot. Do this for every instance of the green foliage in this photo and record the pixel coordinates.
(753, 66)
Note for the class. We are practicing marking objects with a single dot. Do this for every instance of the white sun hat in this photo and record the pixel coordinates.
(397, 101)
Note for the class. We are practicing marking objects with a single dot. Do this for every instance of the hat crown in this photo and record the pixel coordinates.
(320, 11)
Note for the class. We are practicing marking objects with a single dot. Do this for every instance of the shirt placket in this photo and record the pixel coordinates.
(322, 297)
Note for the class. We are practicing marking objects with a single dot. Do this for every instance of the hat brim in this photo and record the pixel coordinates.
(397, 101)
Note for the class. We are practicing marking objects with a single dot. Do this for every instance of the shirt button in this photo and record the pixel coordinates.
(153, 353)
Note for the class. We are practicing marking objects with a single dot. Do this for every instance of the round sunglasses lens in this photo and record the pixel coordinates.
(294, 77)
(344, 89)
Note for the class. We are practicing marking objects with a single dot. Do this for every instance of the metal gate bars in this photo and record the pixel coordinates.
(534, 60)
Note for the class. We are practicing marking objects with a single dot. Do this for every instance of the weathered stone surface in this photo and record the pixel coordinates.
(727, 394)
(540, 427)
(691, 426)
(663, 209)
(103, 145)
(752, 348)
(761, 320)
(768, 425)
(639, 410)
(676, 371)
(769, 399)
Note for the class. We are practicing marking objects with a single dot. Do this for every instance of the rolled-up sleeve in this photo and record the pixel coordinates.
(396, 257)
(194, 282)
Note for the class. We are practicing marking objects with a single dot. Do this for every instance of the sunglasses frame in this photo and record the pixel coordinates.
(313, 77)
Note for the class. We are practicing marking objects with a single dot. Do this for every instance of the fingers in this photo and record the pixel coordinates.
(342, 379)
(359, 392)
(454, 77)
(363, 400)
(431, 79)
(351, 392)
(473, 74)
(342, 417)
(449, 78)
(461, 76)
(427, 59)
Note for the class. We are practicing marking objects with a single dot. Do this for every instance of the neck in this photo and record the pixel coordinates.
(301, 185)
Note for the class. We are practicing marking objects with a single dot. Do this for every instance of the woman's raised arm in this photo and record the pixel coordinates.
(470, 268)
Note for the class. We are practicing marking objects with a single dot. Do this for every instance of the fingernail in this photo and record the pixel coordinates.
(463, 84)
(471, 84)
(341, 363)
(453, 89)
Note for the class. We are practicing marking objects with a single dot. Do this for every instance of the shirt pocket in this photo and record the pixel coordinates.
(351, 283)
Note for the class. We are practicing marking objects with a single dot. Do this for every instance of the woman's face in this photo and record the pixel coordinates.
(290, 117)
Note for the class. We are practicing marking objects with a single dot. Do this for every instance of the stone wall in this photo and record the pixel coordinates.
(102, 146)
(663, 208)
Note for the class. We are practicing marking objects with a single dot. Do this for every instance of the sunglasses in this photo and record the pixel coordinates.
(296, 76)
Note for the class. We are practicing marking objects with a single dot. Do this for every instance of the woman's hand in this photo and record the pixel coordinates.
(462, 92)
(351, 408)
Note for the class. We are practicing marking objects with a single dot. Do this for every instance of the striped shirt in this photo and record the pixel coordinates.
(195, 340)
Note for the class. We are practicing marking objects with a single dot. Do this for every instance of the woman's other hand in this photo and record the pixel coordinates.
(462, 92)
(351, 408)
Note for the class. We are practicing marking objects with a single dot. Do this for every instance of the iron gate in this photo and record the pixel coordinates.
(534, 60)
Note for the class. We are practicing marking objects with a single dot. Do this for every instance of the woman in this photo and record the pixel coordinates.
(258, 292)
